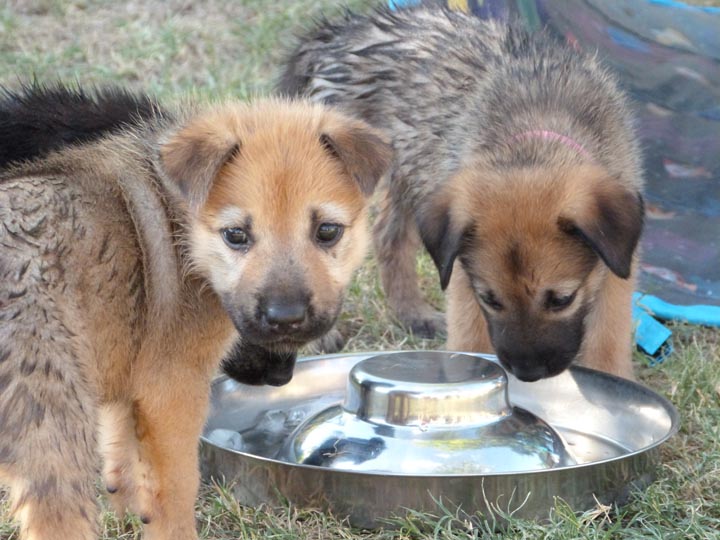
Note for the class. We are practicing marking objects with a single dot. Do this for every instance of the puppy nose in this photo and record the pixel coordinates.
(529, 375)
(525, 367)
(285, 314)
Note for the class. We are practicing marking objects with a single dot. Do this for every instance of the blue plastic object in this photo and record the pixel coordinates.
(700, 314)
(397, 4)
(651, 336)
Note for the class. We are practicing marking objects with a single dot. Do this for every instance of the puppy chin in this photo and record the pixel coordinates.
(263, 356)
(254, 364)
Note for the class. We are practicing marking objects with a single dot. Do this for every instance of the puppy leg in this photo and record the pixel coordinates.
(396, 244)
(47, 427)
(331, 342)
(467, 329)
(127, 477)
(607, 345)
(169, 414)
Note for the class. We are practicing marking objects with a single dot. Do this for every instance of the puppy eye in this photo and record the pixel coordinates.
(555, 302)
(328, 234)
(236, 238)
(489, 299)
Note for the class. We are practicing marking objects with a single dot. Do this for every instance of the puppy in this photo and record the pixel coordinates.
(39, 119)
(517, 166)
(129, 264)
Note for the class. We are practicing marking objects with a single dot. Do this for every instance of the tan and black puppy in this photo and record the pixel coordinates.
(516, 165)
(128, 266)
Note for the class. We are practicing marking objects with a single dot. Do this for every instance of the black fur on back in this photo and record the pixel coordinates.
(38, 119)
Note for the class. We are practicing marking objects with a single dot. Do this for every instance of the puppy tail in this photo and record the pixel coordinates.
(309, 49)
(294, 78)
(38, 119)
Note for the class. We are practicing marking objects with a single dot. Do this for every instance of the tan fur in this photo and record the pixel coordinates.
(520, 209)
(608, 344)
(118, 295)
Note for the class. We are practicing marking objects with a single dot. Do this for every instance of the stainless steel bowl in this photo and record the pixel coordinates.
(433, 412)
(612, 427)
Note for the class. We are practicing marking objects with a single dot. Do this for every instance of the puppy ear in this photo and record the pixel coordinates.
(611, 225)
(193, 157)
(441, 237)
(364, 153)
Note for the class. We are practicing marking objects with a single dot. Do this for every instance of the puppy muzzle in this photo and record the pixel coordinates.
(531, 368)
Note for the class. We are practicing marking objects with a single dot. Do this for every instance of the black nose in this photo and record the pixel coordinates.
(525, 368)
(285, 315)
(529, 375)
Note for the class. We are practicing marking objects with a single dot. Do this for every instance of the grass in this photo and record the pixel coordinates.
(223, 47)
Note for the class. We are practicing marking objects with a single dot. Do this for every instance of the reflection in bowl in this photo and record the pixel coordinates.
(427, 413)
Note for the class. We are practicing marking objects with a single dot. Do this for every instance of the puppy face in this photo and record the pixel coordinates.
(278, 221)
(537, 246)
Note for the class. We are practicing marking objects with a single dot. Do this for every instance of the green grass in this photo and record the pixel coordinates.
(222, 48)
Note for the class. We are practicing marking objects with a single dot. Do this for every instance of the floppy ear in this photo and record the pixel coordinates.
(441, 237)
(611, 226)
(365, 154)
(193, 156)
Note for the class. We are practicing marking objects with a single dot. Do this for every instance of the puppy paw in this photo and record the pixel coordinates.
(424, 323)
(127, 477)
(130, 488)
(331, 342)
(169, 531)
(118, 489)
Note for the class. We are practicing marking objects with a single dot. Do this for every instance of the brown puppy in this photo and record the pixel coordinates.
(515, 155)
(530, 283)
(127, 268)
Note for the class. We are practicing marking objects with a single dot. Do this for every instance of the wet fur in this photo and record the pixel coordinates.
(36, 120)
(518, 220)
(119, 297)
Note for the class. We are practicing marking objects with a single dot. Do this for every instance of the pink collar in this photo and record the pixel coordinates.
(552, 136)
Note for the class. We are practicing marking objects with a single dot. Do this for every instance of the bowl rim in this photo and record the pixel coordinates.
(670, 409)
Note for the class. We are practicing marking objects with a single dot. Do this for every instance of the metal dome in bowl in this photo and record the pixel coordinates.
(433, 412)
